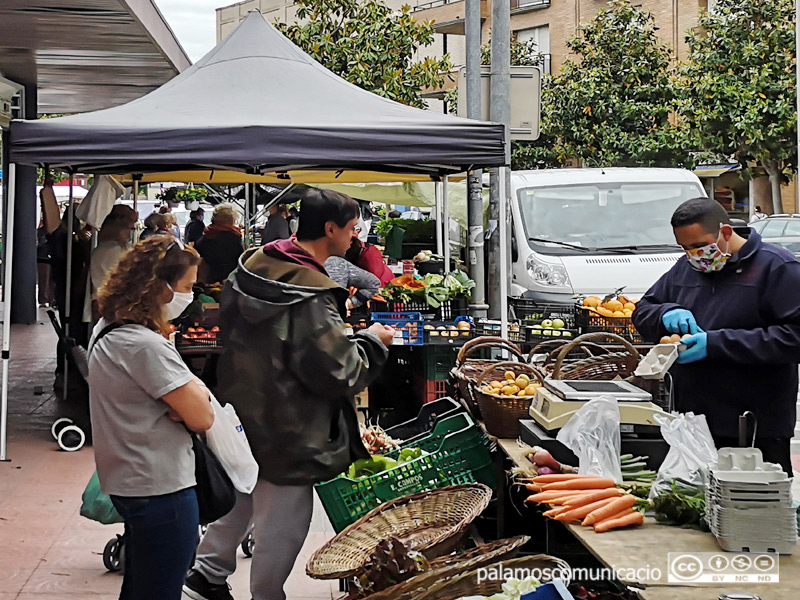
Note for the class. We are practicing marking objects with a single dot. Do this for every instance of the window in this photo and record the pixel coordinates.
(539, 35)
(773, 228)
(792, 228)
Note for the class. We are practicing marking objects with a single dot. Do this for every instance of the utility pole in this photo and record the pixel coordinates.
(500, 107)
(475, 246)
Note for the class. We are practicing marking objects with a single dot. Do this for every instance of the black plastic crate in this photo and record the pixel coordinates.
(447, 311)
(590, 322)
(526, 309)
(517, 333)
(421, 425)
(448, 333)
(437, 361)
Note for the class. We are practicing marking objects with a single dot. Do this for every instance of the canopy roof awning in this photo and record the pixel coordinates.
(86, 55)
(256, 103)
(308, 177)
(716, 170)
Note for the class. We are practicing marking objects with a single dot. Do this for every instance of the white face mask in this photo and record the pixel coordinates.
(175, 307)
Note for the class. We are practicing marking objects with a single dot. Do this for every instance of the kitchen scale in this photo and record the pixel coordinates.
(556, 402)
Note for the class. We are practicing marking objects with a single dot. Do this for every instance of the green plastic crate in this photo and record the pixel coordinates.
(438, 360)
(462, 457)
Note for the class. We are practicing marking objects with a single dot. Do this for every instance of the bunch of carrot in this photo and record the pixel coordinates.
(587, 499)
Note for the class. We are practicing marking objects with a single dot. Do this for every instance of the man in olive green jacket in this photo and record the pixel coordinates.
(291, 373)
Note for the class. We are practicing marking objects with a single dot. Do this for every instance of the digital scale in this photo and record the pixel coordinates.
(556, 402)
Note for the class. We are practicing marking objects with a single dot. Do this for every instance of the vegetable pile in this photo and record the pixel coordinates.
(367, 467)
(634, 469)
(683, 506)
(391, 563)
(434, 289)
(587, 499)
(376, 440)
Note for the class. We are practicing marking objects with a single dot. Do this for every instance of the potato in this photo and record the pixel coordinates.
(525, 377)
(514, 388)
(497, 385)
(531, 390)
(510, 375)
(522, 383)
(508, 390)
(488, 389)
(521, 393)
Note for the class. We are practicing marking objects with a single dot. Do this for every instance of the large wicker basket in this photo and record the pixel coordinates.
(431, 522)
(548, 352)
(501, 414)
(545, 567)
(445, 567)
(620, 364)
(467, 370)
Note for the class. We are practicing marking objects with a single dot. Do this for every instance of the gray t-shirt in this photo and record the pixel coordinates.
(139, 450)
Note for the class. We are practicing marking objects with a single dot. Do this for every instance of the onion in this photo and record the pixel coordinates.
(544, 459)
(546, 471)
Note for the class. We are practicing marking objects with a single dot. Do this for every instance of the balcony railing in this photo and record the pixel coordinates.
(521, 5)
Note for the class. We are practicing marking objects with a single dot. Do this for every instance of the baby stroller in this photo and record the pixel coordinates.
(72, 430)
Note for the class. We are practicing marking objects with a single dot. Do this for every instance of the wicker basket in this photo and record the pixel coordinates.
(454, 564)
(545, 567)
(432, 522)
(551, 349)
(601, 367)
(467, 370)
(501, 414)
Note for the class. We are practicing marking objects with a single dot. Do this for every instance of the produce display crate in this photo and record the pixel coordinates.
(422, 425)
(354, 325)
(190, 340)
(461, 457)
(448, 332)
(408, 326)
(437, 361)
(447, 310)
(526, 309)
(491, 327)
(431, 389)
(589, 322)
(534, 335)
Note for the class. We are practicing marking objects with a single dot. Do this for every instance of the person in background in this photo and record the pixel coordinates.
(144, 400)
(350, 277)
(758, 215)
(369, 258)
(154, 224)
(113, 242)
(172, 225)
(394, 214)
(277, 228)
(735, 299)
(294, 218)
(291, 373)
(195, 227)
(44, 275)
(221, 245)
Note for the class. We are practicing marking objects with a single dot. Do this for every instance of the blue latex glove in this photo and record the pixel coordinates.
(697, 348)
(680, 320)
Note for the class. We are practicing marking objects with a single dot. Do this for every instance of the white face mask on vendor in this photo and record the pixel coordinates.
(175, 307)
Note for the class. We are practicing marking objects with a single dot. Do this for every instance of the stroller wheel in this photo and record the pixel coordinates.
(58, 425)
(71, 438)
(114, 554)
(247, 544)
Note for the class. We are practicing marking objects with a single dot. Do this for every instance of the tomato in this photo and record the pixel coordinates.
(215, 329)
(191, 330)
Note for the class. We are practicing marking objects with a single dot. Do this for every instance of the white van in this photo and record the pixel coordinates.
(592, 231)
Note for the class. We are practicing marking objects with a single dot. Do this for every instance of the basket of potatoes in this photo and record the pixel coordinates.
(504, 392)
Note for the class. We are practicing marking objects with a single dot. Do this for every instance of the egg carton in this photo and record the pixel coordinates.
(658, 361)
(750, 503)
(745, 465)
(743, 519)
(734, 544)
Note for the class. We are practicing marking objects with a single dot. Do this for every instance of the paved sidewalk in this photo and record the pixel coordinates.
(47, 550)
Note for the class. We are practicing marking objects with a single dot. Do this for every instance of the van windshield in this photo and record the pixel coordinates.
(607, 218)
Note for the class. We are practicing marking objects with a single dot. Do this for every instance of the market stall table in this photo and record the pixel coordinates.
(640, 548)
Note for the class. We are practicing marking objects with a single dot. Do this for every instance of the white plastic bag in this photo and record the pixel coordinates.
(593, 435)
(228, 442)
(691, 450)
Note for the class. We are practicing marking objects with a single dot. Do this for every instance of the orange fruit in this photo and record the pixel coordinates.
(619, 314)
(614, 305)
(623, 299)
(629, 306)
(592, 301)
(628, 313)
(605, 312)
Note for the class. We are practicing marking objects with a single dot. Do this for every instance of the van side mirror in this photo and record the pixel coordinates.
(514, 249)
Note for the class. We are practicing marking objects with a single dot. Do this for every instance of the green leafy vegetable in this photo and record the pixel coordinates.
(683, 506)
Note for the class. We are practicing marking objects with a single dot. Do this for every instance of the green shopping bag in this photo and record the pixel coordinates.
(96, 505)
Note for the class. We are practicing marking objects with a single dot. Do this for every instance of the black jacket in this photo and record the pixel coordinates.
(221, 253)
(751, 312)
(193, 231)
(291, 372)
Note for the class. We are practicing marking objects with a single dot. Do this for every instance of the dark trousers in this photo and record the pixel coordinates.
(160, 539)
(774, 450)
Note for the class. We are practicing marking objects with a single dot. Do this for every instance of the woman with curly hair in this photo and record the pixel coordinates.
(143, 398)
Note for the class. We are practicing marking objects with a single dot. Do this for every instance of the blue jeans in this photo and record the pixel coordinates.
(160, 540)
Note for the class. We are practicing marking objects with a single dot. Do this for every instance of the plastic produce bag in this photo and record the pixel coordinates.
(691, 450)
(593, 435)
(96, 505)
(228, 442)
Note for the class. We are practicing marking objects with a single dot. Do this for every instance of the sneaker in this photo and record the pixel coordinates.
(198, 587)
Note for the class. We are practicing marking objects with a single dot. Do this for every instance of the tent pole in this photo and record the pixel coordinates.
(135, 193)
(8, 252)
(446, 225)
(247, 191)
(438, 210)
(502, 224)
(68, 286)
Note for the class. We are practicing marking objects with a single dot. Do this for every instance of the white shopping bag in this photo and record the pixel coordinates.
(228, 442)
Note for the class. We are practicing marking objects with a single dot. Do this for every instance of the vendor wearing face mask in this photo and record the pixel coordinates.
(737, 298)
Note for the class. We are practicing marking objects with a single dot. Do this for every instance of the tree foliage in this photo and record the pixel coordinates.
(612, 104)
(369, 45)
(740, 82)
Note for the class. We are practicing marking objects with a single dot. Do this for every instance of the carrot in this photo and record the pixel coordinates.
(534, 487)
(553, 512)
(578, 513)
(545, 496)
(622, 513)
(633, 518)
(559, 477)
(584, 483)
(593, 497)
(610, 509)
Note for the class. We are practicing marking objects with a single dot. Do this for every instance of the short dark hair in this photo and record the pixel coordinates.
(758, 208)
(707, 213)
(324, 206)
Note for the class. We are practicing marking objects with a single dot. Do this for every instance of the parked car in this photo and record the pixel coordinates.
(781, 230)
